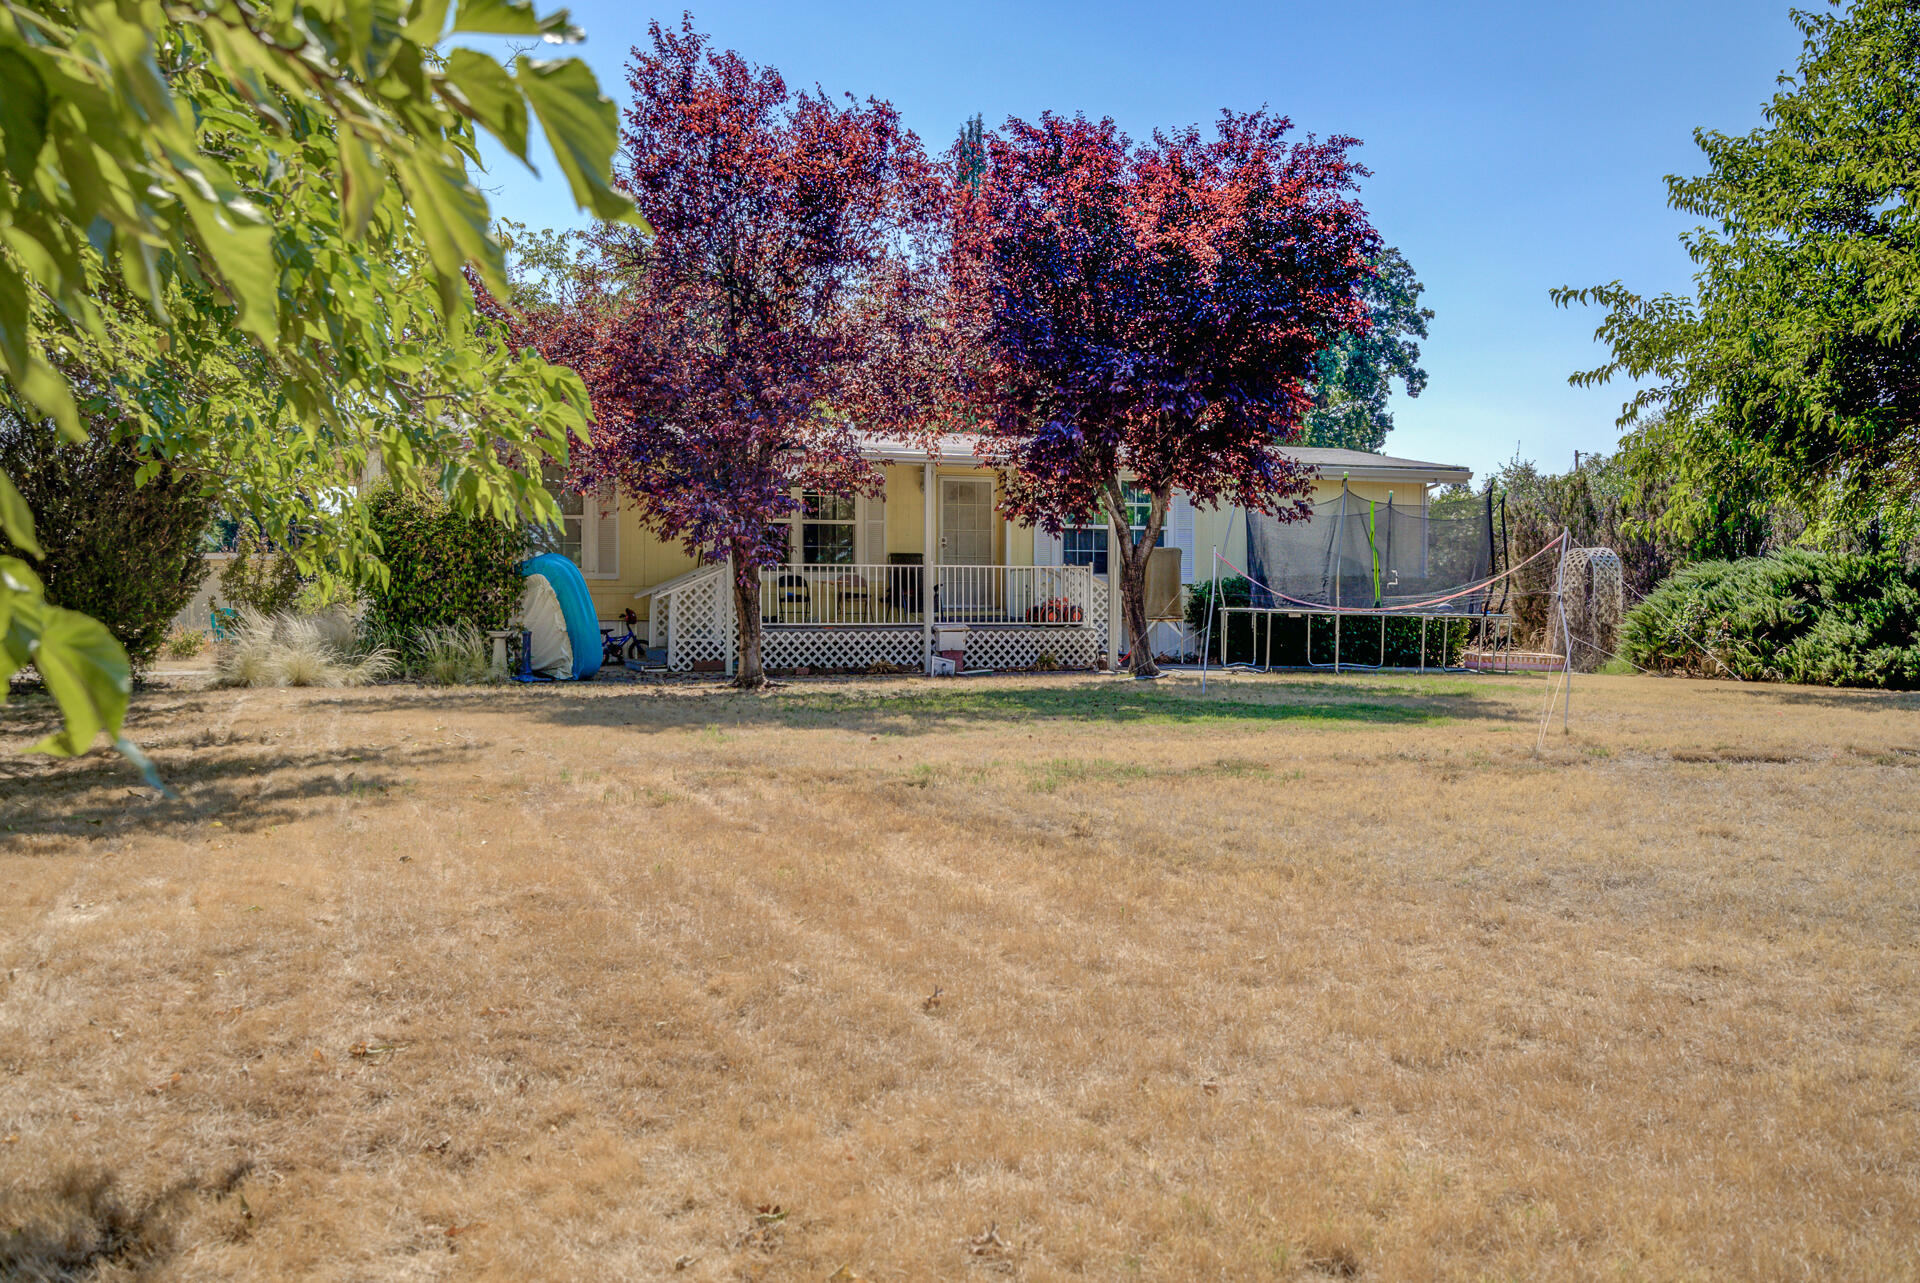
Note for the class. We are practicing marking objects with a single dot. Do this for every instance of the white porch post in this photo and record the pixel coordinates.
(927, 568)
(728, 615)
(1116, 626)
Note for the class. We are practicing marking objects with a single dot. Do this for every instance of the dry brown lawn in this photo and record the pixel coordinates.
(1028, 977)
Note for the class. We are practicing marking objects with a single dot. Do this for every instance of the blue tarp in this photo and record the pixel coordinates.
(583, 625)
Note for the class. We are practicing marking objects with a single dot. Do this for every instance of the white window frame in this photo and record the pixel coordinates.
(1139, 503)
(797, 524)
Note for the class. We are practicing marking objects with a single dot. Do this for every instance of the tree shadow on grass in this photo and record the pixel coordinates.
(1853, 699)
(80, 1228)
(245, 782)
(918, 707)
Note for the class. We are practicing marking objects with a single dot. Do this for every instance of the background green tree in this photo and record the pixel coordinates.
(1354, 376)
(1792, 374)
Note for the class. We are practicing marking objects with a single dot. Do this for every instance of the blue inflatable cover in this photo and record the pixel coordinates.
(583, 625)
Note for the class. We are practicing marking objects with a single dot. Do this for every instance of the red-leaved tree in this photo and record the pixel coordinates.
(732, 355)
(1150, 316)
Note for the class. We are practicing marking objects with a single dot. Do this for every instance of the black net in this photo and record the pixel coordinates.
(1367, 555)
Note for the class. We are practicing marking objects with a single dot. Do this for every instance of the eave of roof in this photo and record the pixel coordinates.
(1359, 465)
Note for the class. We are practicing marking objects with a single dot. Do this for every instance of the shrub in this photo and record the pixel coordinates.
(1363, 639)
(443, 568)
(1830, 619)
(185, 643)
(297, 650)
(128, 555)
(1236, 637)
(454, 655)
(260, 578)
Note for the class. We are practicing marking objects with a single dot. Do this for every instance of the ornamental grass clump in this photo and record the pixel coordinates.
(453, 655)
(298, 650)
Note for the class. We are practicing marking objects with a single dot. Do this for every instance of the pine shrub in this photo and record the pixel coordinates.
(1827, 619)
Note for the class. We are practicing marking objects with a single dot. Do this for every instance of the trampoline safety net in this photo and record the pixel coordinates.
(1364, 554)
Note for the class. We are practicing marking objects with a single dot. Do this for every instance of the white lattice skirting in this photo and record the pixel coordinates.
(830, 648)
(860, 648)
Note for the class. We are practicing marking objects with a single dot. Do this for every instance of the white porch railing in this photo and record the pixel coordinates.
(860, 617)
(872, 595)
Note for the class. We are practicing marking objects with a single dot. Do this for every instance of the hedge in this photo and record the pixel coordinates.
(1827, 619)
(443, 568)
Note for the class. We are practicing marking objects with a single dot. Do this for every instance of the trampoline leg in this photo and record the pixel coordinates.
(1423, 643)
(1336, 643)
(1383, 641)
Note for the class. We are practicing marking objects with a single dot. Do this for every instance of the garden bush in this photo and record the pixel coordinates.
(261, 577)
(1830, 619)
(127, 555)
(443, 569)
(185, 643)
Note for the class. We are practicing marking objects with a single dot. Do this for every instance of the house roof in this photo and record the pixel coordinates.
(1332, 463)
(1376, 467)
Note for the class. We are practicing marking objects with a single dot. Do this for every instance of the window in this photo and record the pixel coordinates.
(588, 531)
(1083, 542)
(565, 537)
(826, 529)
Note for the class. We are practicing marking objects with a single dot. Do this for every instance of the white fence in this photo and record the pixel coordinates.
(864, 616)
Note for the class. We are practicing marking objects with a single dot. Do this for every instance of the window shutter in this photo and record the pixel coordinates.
(1046, 548)
(872, 512)
(1180, 518)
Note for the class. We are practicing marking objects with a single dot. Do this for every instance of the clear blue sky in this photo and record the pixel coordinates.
(1514, 146)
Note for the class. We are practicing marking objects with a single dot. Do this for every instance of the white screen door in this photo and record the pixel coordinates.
(966, 539)
(966, 521)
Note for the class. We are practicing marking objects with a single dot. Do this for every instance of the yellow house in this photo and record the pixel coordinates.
(854, 592)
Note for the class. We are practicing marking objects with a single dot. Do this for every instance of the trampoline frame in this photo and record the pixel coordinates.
(1499, 624)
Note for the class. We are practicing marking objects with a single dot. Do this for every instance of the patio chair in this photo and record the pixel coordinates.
(854, 596)
(791, 599)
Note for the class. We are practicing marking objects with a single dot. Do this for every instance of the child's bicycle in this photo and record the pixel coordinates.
(623, 647)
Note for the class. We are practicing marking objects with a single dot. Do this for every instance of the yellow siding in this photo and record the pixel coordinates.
(905, 529)
(646, 560)
(906, 511)
(1219, 528)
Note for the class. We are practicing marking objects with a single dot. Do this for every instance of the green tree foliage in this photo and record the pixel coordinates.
(1354, 376)
(248, 228)
(1834, 619)
(1793, 372)
(261, 577)
(128, 555)
(444, 567)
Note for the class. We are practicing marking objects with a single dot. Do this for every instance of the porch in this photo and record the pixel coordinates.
(855, 617)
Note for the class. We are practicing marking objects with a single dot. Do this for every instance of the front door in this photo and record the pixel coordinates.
(966, 539)
(966, 521)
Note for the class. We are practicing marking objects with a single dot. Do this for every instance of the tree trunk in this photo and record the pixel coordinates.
(1133, 607)
(1131, 566)
(748, 671)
